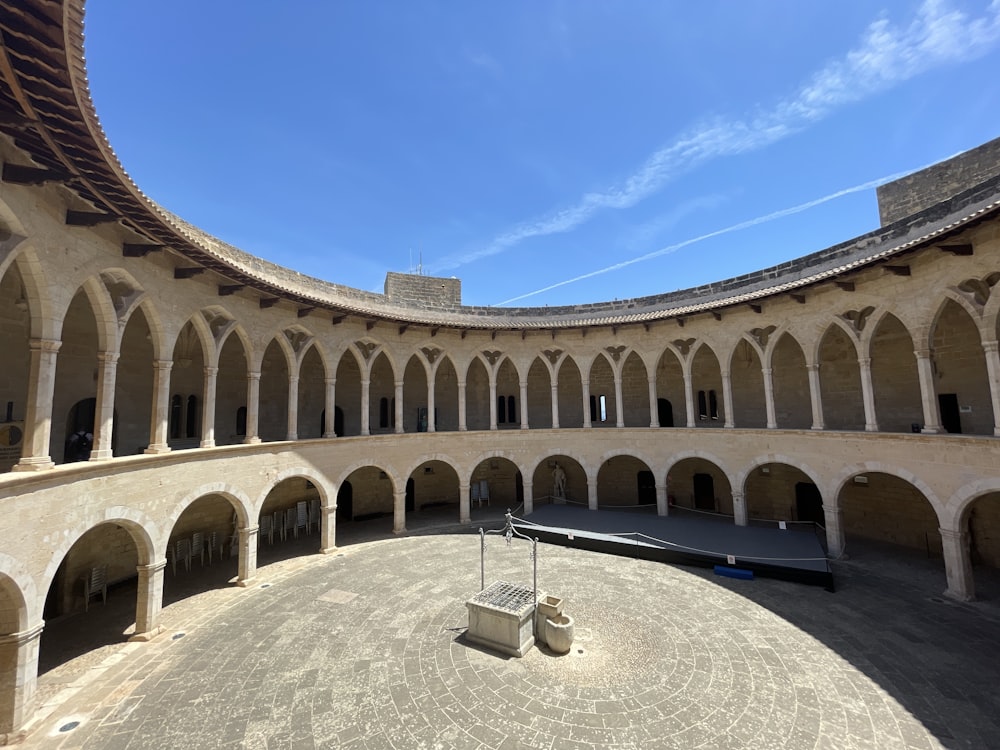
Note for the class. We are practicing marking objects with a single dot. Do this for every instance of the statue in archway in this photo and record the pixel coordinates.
(558, 482)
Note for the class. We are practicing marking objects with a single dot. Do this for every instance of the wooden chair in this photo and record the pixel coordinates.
(94, 583)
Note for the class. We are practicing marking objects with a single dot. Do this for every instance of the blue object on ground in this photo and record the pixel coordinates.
(741, 573)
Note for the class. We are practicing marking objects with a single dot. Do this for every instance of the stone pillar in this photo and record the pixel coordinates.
(592, 493)
(868, 394)
(689, 399)
(328, 528)
(248, 556)
(993, 374)
(399, 512)
(493, 402)
(772, 420)
(293, 408)
(149, 600)
(585, 387)
(431, 405)
(524, 404)
(461, 407)
(529, 498)
(398, 417)
(18, 678)
(365, 407)
(815, 396)
(662, 508)
(208, 408)
(727, 399)
(957, 565)
(330, 409)
(38, 411)
(253, 407)
(159, 420)
(740, 515)
(654, 409)
(555, 407)
(928, 393)
(464, 512)
(834, 531)
(104, 410)
(619, 402)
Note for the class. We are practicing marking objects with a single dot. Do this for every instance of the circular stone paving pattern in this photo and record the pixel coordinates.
(367, 650)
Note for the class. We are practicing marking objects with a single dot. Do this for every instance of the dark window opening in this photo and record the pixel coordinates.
(593, 408)
(511, 410)
(702, 405)
(713, 405)
(175, 417)
(241, 421)
(383, 412)
(501, 410)
(191, 417)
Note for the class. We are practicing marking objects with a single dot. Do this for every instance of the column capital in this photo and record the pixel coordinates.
(45, 345)
(991, 347)
(953, 535)
(153, 567)
(923, 353)
(25, 636)
(330, 381)
(211, 371)
(813, 367)
(253, 374)
(163, 365)
(108, 358)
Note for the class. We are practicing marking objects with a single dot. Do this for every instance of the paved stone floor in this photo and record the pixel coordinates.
(366, 649)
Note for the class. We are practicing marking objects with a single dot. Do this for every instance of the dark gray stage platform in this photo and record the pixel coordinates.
(771, 552)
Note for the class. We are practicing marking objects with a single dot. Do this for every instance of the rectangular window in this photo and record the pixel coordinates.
(604, 408)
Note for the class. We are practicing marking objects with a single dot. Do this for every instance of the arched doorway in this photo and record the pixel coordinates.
(432, 490)
(575, 478)
(289, 521)
(623, 482)
(698, 484)
(203, 549)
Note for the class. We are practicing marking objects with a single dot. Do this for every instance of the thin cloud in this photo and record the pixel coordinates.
(718, 232)
(887, 55)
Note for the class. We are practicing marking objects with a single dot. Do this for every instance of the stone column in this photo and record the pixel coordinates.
(555, 407)
(208, 408)
(928, 393)
(18, 678)
(248, 556)
(619, 401)
(328, 529)
(493, 402)
(365, 407)
(159, 420)
(529, 498)
(149, 600)
(431, 405)
(958, 565)
(330, 409)
(868, 394)
(740, 515)
(398, 418)
(689, 399)
(654, 409)
(585, 387)
(253, 407)
(662, 508)
(461, 407)
(524, 404)
(399, 512)
(834, 531)
(104, 410)
(772, 420)
(727, 398)
(464, 512)
(293, 408)
(815, 396)
(38, 411)
(592, 493)
(993, 374)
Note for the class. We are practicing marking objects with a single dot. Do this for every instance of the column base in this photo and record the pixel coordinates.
(959, 596)
(101, 455)
(328, 550)
(157, 448)
(401, 530)
(251, 440)
(206, 444)
(244, 583)
(817, 427)
(931, 430)
(871, 428)
(34, 463)
(147, 636)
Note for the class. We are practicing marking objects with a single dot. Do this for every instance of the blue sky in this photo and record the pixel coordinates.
(593, 150)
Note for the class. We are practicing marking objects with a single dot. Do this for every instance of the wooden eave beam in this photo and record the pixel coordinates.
(266, 302)
(524, 334)
(680, 322)
(434, 331)
(901, 270)
(800, 298)
(755, 307)
(464, 331)
(847, 286)
(493, 335)
(139, 250)
(89, 218)
(716, 314)
(188, 273)
(338, 319)
(403, 327)
(369, 324)
(304, 311)
(957, 249)
(17, 174)
(227, 289)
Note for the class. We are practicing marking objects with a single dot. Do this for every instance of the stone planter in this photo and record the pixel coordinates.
(550, 606)
(559, 633)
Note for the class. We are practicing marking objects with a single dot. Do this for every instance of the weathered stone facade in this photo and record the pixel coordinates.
(161, 383)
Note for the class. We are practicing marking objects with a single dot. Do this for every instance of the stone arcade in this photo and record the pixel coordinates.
(214, 385)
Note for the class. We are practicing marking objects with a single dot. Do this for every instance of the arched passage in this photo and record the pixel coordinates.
(477, 396)
(706, 386)
(446, 396)
(625, 481)
(289, 520)
(960, 377)
(273, 410)
(790, 379)
(415, 416)
(840, 382)
(15, 331)
(570, 394)
(231, 393)
(203, 547)
(539, 395)
(698, 484)
(74, 375)
(635, 392)
(894, 377)
(749, 403)
(496, 482)
(16, 691)
(133, 387)
(312, 395)
(435, 489)
(603, 404)
(348, 395)
(670, 390)
(370, 499)
(981, 520)
(781, 492)
(542, 481)
(509, 404)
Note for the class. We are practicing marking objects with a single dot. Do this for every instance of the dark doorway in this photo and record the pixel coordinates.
(518, 489)
(410, 495)
(647, 488)
(664, 412)
(951, 418)
(704, 492)
(80, 431)
(345, 502)
(809, 503)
